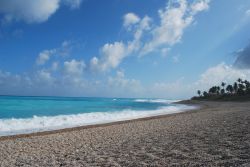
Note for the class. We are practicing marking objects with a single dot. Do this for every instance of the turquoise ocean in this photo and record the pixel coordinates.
(23, 114)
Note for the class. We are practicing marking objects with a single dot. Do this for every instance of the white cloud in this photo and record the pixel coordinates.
(174, 19)
(211, 77)
(44, 56)
(55, 66)
(200, 6)
(177, 89)
(222, 72)
(143, 25)
(94, 62)
(148, 37)
(13, 84)
(130, 19)
(45, 82)
(121, 86)
(170, 30)
(29, 11)
(44, 77)
(111, 56)
(32, 11)
(74, 68)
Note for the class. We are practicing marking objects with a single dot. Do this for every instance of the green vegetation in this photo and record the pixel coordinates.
(239, 91)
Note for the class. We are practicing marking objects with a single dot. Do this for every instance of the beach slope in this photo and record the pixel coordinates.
(217, 134)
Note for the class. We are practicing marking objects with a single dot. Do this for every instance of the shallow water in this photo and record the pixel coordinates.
(32, 114)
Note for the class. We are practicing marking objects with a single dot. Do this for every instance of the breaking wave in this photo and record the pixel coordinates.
(155, 101)
(46, 123)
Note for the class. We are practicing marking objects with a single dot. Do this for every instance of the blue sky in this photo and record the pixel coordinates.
(116, 48)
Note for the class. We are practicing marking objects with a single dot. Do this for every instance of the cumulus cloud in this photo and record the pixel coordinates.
(55, 66)
(174, 19)
(29, 11)
(176, 89)
(200, 6)
(44, 76)
(121, 86)
(45, 55)
(141, 28)
(147, 36)
(42, 82)
(222, 72)
(71, 83)
(121, 82)
(211, 77)
(74, 67)
(130, 19)
(11, 84)
(111, 56)
(32, 11)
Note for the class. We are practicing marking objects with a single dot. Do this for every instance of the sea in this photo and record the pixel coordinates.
(25, 114)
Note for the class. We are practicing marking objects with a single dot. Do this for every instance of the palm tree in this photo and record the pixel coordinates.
(217, 90)
(235, 87)
(199, 92)
(247, 83)
(223, 84)
(213, 90)
(241, 89)
(230, 89)
(222, 91)
(205, 94)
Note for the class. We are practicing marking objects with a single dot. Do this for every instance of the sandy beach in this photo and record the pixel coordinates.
(217, 134)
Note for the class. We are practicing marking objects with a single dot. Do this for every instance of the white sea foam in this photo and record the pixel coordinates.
(155, 101)
(45, 123)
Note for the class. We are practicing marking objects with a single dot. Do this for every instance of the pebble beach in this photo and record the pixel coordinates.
(216, 134)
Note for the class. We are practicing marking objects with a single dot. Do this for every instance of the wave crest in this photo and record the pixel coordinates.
(155, 101)
(45, 123)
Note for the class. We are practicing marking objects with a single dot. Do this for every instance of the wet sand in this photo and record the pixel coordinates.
(217, 134)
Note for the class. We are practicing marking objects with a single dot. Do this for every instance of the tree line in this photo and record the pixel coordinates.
(238, 90)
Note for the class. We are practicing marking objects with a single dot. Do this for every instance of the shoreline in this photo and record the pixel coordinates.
(64, 130)
(216, 134)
